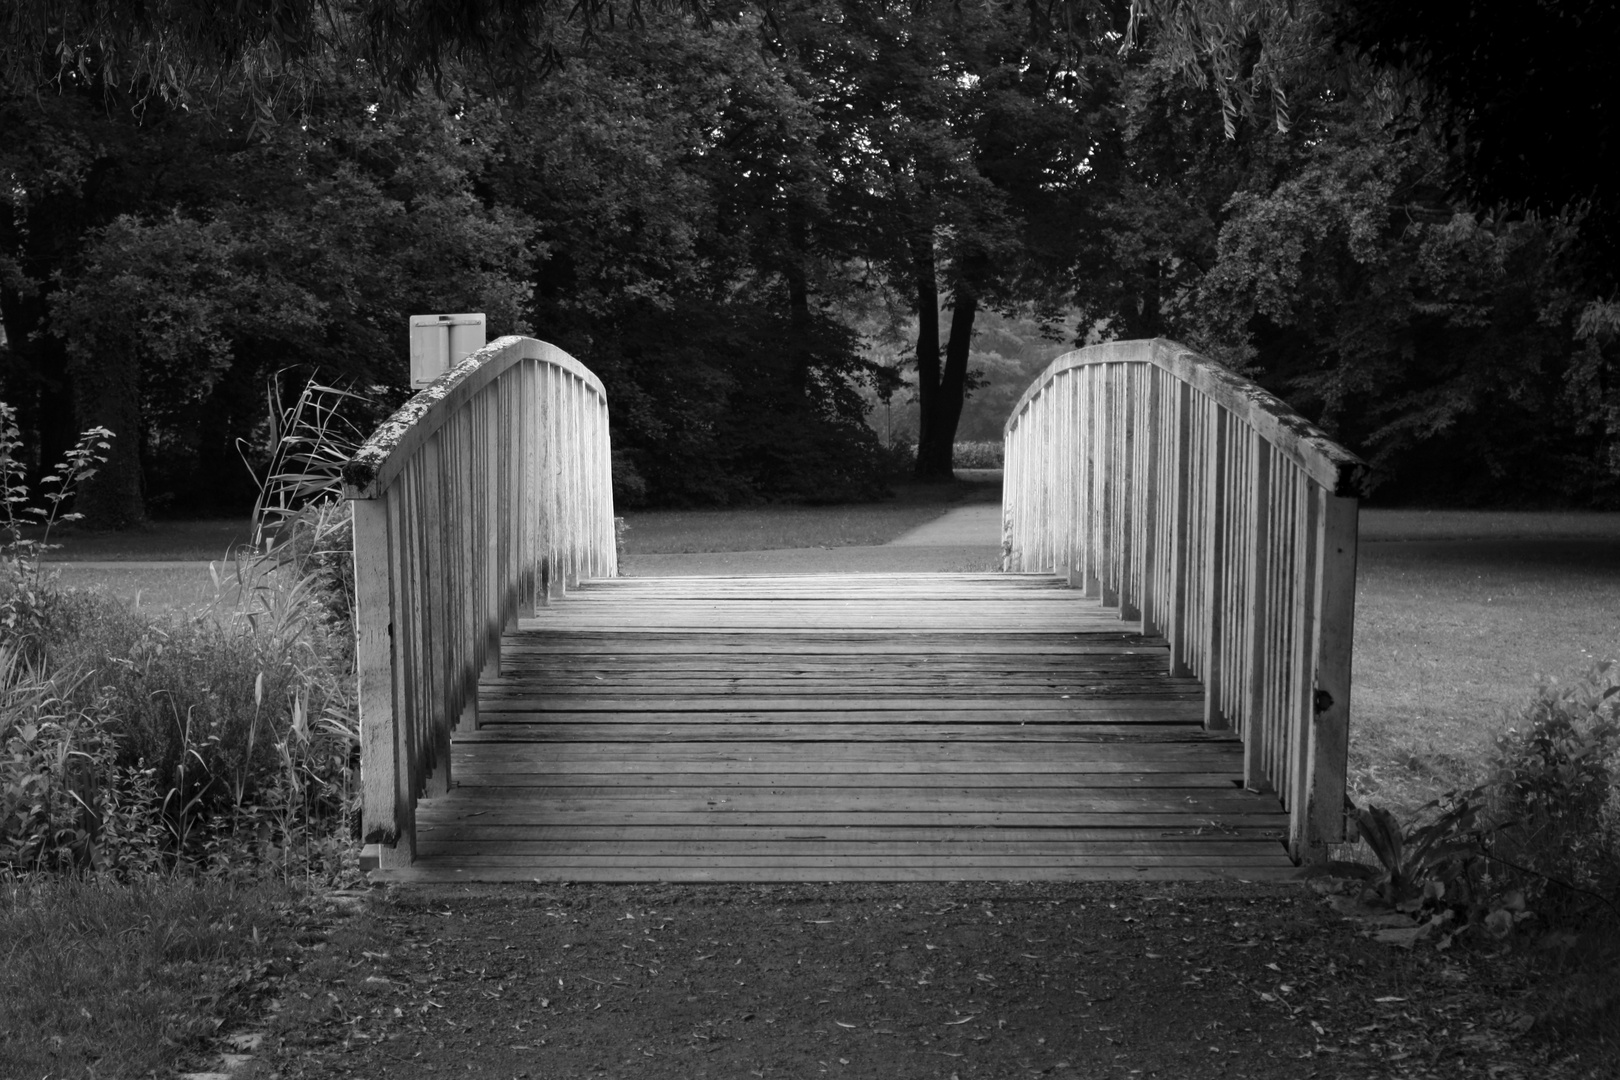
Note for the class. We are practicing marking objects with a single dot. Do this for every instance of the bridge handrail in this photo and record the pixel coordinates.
(488, 491)
(1192, 499)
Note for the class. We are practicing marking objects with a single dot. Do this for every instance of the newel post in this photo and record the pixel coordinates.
(1330, 727)
(385, 814)
(440, 342)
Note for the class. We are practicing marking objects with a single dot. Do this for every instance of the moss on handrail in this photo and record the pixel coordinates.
(375, 463)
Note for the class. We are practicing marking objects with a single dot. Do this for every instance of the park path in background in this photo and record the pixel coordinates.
(977, 526)
(966, 539)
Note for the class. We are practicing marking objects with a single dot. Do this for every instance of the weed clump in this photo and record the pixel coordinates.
(1530, 858)
(224, 741)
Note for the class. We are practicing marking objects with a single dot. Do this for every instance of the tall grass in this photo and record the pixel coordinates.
(163, 780)
(221, 741)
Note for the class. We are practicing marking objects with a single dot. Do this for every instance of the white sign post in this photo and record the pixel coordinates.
(440, 342)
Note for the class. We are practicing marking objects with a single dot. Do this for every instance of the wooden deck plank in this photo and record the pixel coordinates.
(1252, 850)
(840, 727)
(445, 872)
(479, 831)
(785, 729)
(635, 785)
(520, 813)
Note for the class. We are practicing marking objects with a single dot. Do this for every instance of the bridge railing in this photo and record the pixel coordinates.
(1197, 502)
(486, 493)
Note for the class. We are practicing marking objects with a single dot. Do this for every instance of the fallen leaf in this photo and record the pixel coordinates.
(965, 1019)
(1404, 937)
(841, 1024)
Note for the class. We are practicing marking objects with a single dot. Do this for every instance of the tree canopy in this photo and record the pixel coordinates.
(753, 222)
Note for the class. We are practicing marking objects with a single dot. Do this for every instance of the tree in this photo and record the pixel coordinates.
(958, 147)
(159, 299)
(1521, 90)
(674, 174)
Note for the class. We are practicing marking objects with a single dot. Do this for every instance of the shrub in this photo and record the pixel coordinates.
(986, 454)
(1555, 790)
(217, 740)
(1539, 838)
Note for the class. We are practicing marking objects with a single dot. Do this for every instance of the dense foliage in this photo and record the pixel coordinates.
(221, 741)
(756, 228)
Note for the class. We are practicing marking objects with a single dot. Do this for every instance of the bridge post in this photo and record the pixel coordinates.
(384, 780)
(1330, 696)
(440, 342)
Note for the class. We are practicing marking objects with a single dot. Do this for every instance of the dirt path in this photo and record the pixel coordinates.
(888, 981)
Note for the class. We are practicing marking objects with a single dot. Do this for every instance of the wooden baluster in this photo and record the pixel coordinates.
(1107, 475)
(1240, 452)
(1009, 493)
(1214, 511)
(1301, 704)
(1048, 488)
(1155, 542)
(495, 564)
(1095, 469)
(1125, 519)
(467, 552)
(1256, 603)
(438, 654)
(1181, 504)
(525, 463)
(405, 533)
(551, 493)
(574, 489)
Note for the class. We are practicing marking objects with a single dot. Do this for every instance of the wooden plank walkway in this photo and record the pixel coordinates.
(849, 727)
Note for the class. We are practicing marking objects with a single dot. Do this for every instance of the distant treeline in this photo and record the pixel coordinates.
(736, 222)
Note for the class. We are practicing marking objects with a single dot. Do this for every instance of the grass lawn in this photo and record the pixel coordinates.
(1459, 613)
(158, 541)
(1458, 616)
(120, 980)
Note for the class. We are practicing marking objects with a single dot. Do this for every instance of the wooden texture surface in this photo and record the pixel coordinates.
(1185, 496)
(845, 727)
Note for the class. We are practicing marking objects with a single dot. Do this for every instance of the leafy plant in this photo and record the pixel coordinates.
(26, 600)
(1558, 785)
(1542, 830)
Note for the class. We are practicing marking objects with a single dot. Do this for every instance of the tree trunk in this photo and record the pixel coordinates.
(935, 456)
(33, 380)
(941, 394)
(1148, 321)
(108, 393)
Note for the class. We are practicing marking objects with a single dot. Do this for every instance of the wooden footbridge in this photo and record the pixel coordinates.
(1157, 685)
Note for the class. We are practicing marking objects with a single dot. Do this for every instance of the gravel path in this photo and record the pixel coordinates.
(887, 982)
